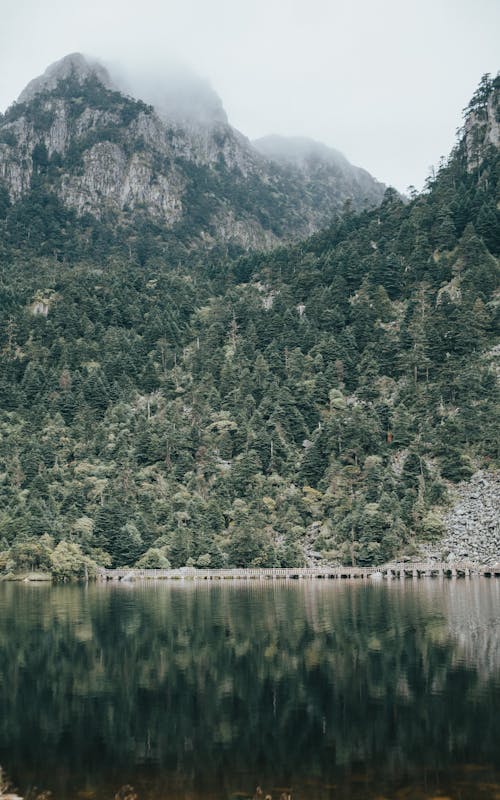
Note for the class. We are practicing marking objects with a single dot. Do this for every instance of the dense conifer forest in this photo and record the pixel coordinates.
(161, 403)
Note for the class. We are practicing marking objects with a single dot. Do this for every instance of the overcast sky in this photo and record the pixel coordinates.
(384, 81)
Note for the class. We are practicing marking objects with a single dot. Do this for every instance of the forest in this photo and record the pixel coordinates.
(163, 404)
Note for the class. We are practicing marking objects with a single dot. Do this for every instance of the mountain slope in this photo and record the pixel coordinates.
(104, 153)
(325, 172)
(312, 403)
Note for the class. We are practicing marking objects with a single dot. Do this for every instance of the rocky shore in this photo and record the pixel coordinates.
(473, 523)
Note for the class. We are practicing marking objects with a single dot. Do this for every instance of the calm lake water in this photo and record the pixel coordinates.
(330, 689)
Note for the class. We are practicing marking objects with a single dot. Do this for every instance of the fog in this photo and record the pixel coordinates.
(383, 81)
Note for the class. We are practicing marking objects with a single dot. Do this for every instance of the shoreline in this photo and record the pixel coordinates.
(393, 571)
(401, 571)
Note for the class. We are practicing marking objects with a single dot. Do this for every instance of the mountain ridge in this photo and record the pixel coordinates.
(109, 152)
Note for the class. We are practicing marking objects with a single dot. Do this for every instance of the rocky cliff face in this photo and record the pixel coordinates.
(102, 151)
(482, 124)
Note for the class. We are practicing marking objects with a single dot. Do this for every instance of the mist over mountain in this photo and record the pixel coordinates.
(124, 146)
(318, 163)
(178, 94)
(298, 150)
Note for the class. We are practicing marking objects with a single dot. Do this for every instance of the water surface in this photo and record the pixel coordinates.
(331, 689)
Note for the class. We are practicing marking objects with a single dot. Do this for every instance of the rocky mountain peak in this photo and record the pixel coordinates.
(178, 95)
(73, 65)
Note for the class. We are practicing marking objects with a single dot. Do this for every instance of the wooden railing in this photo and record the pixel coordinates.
(393, 570)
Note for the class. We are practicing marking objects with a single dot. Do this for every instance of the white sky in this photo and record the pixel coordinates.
(384, 81)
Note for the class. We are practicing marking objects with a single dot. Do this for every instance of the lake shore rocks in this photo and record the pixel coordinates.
(472, 524)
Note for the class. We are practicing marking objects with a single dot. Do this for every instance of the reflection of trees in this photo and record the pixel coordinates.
(272, 680)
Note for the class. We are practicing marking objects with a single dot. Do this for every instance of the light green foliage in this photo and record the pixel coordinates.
(154, 558)
(432, 525)
(67, 562)
(30, 555)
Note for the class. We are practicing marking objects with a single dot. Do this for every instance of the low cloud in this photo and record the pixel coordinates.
(384, 82)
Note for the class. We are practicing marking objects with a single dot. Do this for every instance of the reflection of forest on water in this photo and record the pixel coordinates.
(218, 687)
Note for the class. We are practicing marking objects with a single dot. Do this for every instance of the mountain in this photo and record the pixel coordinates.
(321, 402)
(178, 162)
(325, 171)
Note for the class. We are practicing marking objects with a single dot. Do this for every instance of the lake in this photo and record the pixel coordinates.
(321, 689)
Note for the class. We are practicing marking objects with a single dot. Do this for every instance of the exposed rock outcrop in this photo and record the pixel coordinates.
(482, 124)
(473, 523)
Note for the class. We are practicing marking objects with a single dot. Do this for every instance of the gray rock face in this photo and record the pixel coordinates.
(181, 163)
(110, 179)
(473, 523)
(482, 128)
